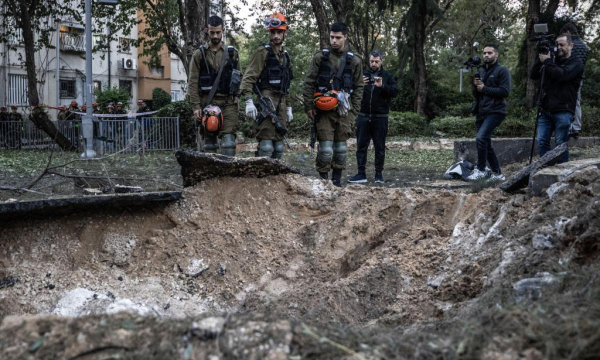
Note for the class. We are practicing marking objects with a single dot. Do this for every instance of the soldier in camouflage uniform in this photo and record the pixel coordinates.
(16, 125)
(334, 126)
(62, 113)
(204, 69)
(270, 69)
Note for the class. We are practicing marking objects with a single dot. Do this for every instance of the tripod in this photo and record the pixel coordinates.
(539, 111)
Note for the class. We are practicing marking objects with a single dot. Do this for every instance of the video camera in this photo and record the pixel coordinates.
(474, 62)
(544, 43)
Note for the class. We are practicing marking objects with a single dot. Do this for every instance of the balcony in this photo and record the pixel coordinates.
(72, 41)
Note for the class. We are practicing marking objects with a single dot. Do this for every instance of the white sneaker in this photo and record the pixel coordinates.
(497, 177)
(477, 175)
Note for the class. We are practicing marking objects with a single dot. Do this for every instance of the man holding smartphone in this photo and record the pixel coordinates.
(372, 120)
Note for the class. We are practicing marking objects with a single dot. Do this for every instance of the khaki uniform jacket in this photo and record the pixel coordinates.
(335, 58)
(255, 68)
(214, 60)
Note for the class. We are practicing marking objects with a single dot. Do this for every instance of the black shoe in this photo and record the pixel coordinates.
(574, 135)
(379, 178)
(324, 175)
(336, 177)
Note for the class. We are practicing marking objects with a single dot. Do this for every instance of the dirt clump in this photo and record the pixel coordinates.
(299, 249)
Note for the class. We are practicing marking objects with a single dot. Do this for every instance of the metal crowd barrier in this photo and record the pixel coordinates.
(110, 136)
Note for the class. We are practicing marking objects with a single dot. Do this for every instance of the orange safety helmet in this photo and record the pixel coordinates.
(73, 103)
(327, 101)
(84, 107)
(212, 119)
(276, 22)
(94, 104)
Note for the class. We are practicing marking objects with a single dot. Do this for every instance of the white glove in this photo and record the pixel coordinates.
(251, 111)
(344, 105)
(290, 115)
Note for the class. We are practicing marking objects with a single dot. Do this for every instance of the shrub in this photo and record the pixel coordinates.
(590, 120)
(408, 124)
(455, 126)
(112, 95)
(459, 109)
(160, 98)
(187, 130)
(516, 127)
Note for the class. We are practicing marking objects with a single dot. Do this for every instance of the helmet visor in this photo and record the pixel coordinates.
(273, 22)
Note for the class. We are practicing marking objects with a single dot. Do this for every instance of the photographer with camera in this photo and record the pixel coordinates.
(580, 51)
(490, 88)
(558, 94)
(372, 120)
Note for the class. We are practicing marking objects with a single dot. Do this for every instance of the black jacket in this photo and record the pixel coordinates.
(580, 50)
(561, 83)
(376, 100)
(492, 100)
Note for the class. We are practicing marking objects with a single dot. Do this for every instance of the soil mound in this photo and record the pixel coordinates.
(301, 250)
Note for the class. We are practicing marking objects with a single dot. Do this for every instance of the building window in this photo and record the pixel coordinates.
(124, 45)
(18, 89)
(127, 85)
(15, 36)
(97, 85)
(157, 70)
(72, 39)
(68, 89)
(176, 95)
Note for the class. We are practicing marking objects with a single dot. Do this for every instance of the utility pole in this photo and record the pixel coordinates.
(57, 21)
(87, 119)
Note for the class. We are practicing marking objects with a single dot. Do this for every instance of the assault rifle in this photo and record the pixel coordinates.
(266, 110)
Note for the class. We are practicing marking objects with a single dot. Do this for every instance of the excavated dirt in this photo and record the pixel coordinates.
(297, 249)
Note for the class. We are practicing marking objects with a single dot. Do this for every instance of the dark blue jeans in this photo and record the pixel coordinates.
(368, 128)
(485, 152)
(560, 124)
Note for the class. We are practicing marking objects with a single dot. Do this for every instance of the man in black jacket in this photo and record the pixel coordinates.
(559, 94)
(491, 88)
(580, 51)
(372, 120)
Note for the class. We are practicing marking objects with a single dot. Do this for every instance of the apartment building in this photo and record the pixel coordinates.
(118, 66)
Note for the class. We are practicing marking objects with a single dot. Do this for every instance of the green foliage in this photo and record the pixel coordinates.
(590, 121)
(160, 98)
(112, 95)
(408, 124)
(300, 126)
(455, 126)
(459, 109)
(185, 111)
(516, 126)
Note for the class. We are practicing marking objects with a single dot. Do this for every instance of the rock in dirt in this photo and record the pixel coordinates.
(532, 288)
(521, 179)
(197, 167)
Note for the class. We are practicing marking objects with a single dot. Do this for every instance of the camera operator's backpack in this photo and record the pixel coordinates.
(459, 171)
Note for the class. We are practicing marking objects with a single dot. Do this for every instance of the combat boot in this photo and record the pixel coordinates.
(336, 177)
(324, 175)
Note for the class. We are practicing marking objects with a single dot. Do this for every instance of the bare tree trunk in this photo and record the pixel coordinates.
(196, 16)
(38, 116)
(419, 65)
(322, 22)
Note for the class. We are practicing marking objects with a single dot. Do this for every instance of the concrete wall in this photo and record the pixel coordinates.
(511, 150)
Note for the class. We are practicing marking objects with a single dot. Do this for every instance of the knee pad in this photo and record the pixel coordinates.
(228, 145)
(340, 152)
(265, 148)
(325, 152)
(210, 144)
(278, 150)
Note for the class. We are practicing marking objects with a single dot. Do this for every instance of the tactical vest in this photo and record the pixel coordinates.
(328, 80)
(275, 76)
(208, 74)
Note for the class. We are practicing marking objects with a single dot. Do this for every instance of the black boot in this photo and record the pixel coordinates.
(324, 175)
(336, 177)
